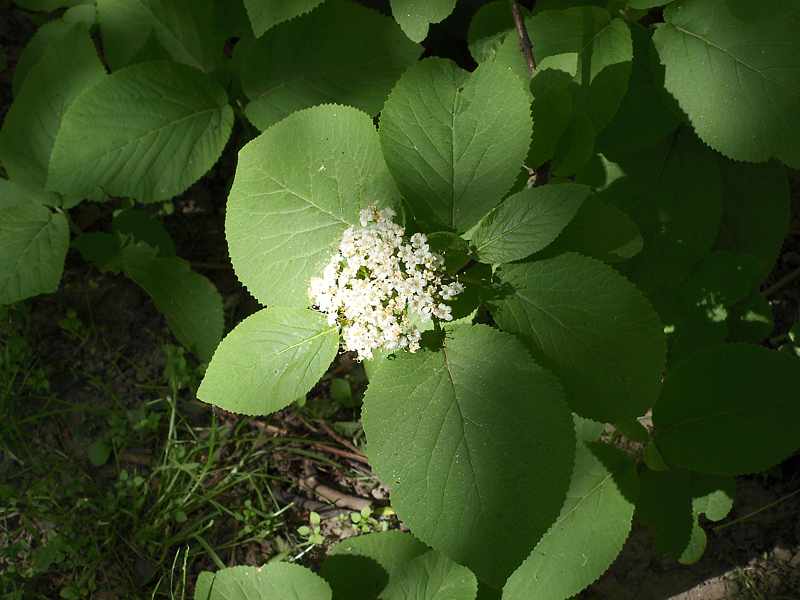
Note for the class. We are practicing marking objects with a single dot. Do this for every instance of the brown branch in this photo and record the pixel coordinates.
(344, 442)
(524, 40)
(337, 498)
(343, 453)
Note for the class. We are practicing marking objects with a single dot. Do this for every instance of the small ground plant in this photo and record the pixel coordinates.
(569, 237)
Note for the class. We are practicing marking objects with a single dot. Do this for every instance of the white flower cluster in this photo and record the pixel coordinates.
(375, 284)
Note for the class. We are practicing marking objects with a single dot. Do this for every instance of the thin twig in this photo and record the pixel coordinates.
(719, 528)
(524, 40)
(782, 283)
(343, 453)
(344, 442)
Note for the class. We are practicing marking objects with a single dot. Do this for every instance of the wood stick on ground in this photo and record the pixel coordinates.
(343, 453)
(524, 40)
(344, 442)
(337, 498)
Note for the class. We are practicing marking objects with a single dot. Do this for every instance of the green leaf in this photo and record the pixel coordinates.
(592, 327)
(188, 300)
(276, 581)
(298, 186)
(12, 193)
(489, 27)
(357, 56)
(354, 576)
(633, 430)
(98, 452)
(177, 122)
(734, 67)
(462, 433)
(575, 147)
(670, 504)
(48, 5)
(34, 243)
(67, 67)
(673, 192)
(265, 14)
(715, 399)
(698, 313)
(185, 31)
(757, 211)
(590, 531)
(592, 47)
(453, 248)
(143, 227)
(359, 567)
(269, 360)
(751, 320)
(648, 113)
(390, 549)
(645, 4)
(527, 222)
(46, 36)
(414, 16)
(431, 576)
(553, 93)
(587, 430)
(455, 141)
(601, 231)
(104, 250)
(544, 5)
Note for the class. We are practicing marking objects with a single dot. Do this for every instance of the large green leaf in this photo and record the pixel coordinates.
(592, 47)
(489, 27)
(431, 576)
(670, 504)
(601, 231)
(553, 114)
(12, 193)
(360, 567)
(188, 300)
(186, 31)
(273, 581)
(48, 5)
(592, 327)
(527, 222)
(67, 67)
(673, 192)
(697, 314)
(751, 320)
(462, 433)
(734, 67)
(265, 14)
(390, 549)
(33, 245)
(645, 4)
(414, 16)
(269, 360)
(143, 227)
(298, 186)
(357, 56)
(757, 211)
(455, 141)
(146, 132)
(648, 112)
(590, 531)
(715, 399)
(46, 36)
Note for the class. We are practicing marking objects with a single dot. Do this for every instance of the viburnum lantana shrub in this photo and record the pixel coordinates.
(569, 235)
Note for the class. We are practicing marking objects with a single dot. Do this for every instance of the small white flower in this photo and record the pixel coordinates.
(375, 283)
